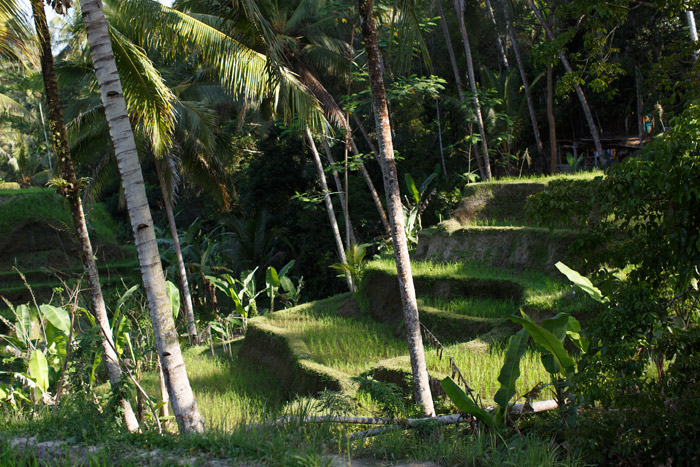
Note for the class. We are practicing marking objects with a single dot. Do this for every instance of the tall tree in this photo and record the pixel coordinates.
(421, 385)
(329, 205)
(169, 353)
(523, 77)
(455, 71)
(70, 187)
(577, 87)
(459, 8)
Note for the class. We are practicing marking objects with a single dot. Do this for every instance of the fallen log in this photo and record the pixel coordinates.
(520, 408)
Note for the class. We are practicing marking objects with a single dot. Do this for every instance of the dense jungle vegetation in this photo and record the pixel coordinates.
(243, 231)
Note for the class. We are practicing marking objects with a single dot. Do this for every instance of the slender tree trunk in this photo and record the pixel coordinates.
(72, 191)
(341, 193)
(640, 103)
(579, 91)
(523, 77)
(693, 32)
(164, 412)
(551, 122)
(391, 185)
(499, 39)
(370, 185)
(442, 152)
(181, 271)
(335, 113)
(181, 396)
(455, 70)
(329, 206)
(472, 83)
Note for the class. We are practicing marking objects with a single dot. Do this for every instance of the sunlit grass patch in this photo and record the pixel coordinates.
(471, 306)
(481, 364)
(228, 391)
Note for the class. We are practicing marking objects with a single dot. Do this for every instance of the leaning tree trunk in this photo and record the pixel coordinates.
(690, 16)
(181, 396)
(551, 122)
(501, 47)
(455, 70)
(341, 193)
(71, 190)
(472, 83)
(640, 102)
(523, 77)
(579, 91)
(391, 185)
(329, 206)
(335, 113)
(181, 271)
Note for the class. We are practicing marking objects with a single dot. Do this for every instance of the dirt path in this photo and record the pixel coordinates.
(62, 453)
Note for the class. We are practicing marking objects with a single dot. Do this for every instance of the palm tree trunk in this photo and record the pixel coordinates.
(472, 84)
(370, 185)
(499, 39)
(442, 151)
(71, 190)
(181, 396)
(523, 77)
(181, 271)
(579, 91)
(391, 185)
(690, 16)
(329, 206)
(551, 122)
(640, 102)
(341, 193)
(335, 113)
(455, 70)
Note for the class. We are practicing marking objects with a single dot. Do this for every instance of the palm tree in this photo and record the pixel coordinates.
(240, 70)
(170, 356)
(459, 8)
(391, 186)
(305, 42)
(70, 187)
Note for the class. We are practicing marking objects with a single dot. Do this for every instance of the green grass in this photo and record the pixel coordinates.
(539, 288)
(480, 364)
(23, 191)
(582, 175)
(356, 345)
(349, 345)
(229, 391)
(476, 307)
(44, 205)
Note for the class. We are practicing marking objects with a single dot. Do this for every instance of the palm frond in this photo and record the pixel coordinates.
(239, 69)
(411, 37)
(148, 99)
(17, 42)
(10, 106)
(305, 10)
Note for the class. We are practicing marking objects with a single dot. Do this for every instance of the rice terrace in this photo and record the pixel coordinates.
(334, 233)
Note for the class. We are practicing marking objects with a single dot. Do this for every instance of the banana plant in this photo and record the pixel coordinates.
(275, 280)
(354, 262)
(38, 341)
(416, 204)
(241, 291)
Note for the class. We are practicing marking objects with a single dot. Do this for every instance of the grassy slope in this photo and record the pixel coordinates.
(19, 207)
(229, 391)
